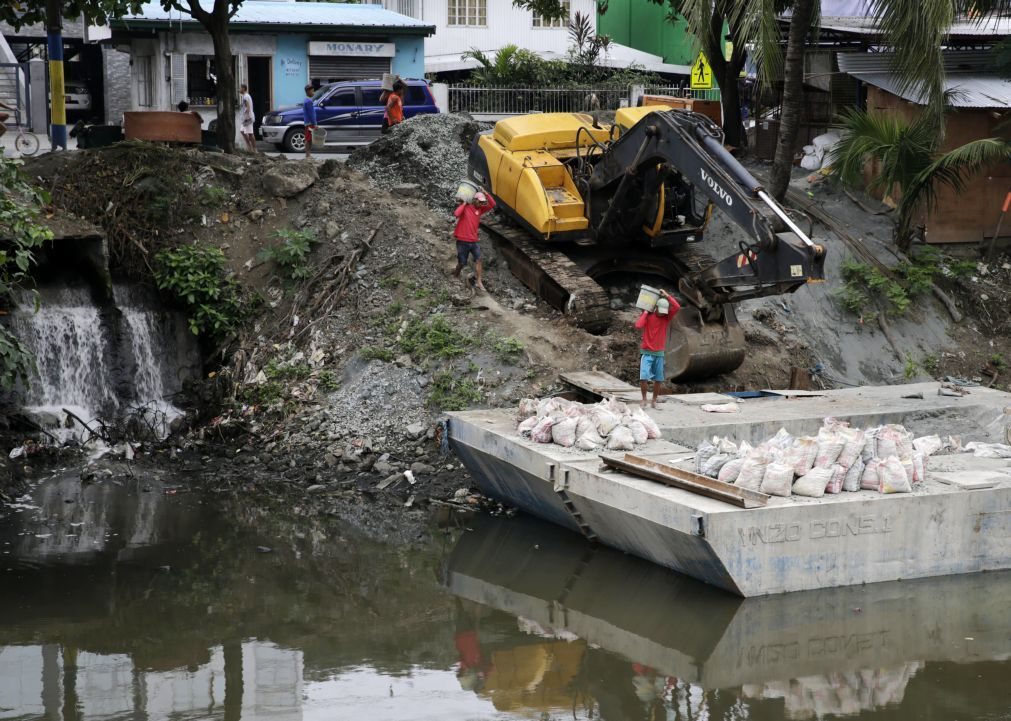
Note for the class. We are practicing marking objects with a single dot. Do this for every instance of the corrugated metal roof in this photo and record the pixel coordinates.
(261, 12)
(954, 61)
(984, 27)
(966, 90)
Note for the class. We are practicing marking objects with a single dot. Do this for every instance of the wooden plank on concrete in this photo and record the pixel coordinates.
(686, 480)
(699, 399)
(787, 393)
(597, 382)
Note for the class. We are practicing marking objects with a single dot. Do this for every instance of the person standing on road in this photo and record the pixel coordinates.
(653, 325)
(394, 114)
(468, 220)
(309, 118)
(248, 118)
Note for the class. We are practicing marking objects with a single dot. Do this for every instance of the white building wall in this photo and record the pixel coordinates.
(506, 25)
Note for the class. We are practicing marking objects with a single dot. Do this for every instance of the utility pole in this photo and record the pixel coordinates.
(54, 39)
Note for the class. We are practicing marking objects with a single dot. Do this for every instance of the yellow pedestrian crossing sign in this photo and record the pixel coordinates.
(702, 74)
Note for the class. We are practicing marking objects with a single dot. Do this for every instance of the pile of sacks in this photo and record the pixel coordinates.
(609, 424)
(886, 459)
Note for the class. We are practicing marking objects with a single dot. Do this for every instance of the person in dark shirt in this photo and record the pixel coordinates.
(309, 118)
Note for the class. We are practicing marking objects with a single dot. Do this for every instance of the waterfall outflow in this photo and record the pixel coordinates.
(103, 360)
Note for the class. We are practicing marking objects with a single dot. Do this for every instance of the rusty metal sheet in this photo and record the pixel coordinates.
(686, 480)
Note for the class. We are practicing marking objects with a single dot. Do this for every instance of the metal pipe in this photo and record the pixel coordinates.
(767, 199)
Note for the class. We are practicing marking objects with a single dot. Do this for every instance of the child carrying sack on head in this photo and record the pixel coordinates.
(468, 220)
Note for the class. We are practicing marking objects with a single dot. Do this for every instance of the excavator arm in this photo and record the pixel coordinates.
(687, 149)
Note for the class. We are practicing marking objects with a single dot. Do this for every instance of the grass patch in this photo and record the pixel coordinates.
(373, 352)
(283, 372)
(453, 393)
(508, 349)
(931, 363)
(433, 338)
(911, 369)
(329, 382)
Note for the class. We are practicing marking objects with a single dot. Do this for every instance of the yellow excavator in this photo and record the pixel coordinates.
(583, 200)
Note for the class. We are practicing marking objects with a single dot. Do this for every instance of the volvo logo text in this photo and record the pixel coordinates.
(720, 192)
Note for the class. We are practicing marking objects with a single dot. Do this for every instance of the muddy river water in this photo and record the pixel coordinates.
(142, 601)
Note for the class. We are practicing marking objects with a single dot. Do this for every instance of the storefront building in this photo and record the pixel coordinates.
(278, 47)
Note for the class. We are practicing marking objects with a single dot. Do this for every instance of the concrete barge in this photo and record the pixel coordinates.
(957, 521)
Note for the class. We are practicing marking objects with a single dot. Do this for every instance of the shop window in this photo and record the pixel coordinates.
(468, 12)
(540, 22)
(202, 79)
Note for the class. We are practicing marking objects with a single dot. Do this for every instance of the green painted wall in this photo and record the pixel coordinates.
(643, 25)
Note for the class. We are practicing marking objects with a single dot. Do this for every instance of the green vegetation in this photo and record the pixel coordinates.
(453, 393)
(998, 362)
(281, 371)
(329, 382)
(19, 210)
(867, 289)
(263, 394)
(931, 363)
(910, 370)
(433, 338)
(372, 352)
(213, 195)
(198, 279)
(292, 253)
(508, 349)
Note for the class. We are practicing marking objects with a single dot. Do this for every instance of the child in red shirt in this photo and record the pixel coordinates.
(468, 219)
(654, 343)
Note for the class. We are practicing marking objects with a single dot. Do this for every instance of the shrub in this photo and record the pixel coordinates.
(292, 253)
(198, 279)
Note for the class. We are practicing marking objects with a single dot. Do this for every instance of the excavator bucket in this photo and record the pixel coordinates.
(697, 349)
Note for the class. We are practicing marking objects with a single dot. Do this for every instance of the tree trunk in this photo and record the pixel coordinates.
(793, 97)
(226, 93)
(727, 73)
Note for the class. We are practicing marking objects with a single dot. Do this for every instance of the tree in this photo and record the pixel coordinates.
(511, 65)
(909, 165)
(29, 12)
(215, 22)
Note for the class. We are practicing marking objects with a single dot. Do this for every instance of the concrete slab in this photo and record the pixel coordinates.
(698, 399)
(971, 480)
(791, 544)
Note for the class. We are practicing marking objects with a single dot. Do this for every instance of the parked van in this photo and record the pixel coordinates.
(350, 112)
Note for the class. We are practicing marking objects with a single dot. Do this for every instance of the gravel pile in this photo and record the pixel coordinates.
(429, 151)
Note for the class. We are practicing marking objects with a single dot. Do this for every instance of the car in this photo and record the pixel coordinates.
(350, 112)
(77, 96)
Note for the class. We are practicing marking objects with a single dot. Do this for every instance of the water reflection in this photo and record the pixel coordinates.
(134, 602)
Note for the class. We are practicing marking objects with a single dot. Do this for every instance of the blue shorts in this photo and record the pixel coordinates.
(651, 368)
(464, 249)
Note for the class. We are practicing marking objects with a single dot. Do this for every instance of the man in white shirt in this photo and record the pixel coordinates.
(247, 117)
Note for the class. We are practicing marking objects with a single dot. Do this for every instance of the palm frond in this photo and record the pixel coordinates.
(917, 29)
(761, 26)
(954, 168)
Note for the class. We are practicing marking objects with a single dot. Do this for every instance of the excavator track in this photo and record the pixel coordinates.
(553, 277)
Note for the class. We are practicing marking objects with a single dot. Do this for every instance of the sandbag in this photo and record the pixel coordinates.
(802, 455)
(919, 467)
(527, 408)
(835, 482)
(731, 470)
(639, 433)
(753, 470)
(781, 440)
(892, 477)
(870, 446)
(851, 482)
(605, 420)
(854, 446)
(652, 429)
(813, 483)
(615, 406)
(588, 442)
(547, 406)
(621, 439)
(714, 463)
(541, 433)
(927, 445)
(988, 450)
(830, 445)
(703, 453)
(870, 480)
(778, 480)
(527, 425)
(725, 445)
(564, 432)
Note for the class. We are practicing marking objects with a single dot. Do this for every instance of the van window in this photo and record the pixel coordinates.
(341, 99)
(370, 96)
(416, 95)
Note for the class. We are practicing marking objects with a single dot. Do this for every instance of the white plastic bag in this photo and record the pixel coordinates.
(652, 429)
(854, 473)
(590, 441)
(731, 470)
(564, 432)
(541, 433)
(720, 408)
(778, 480)
(605, 420)
(813, 483)
(893, 477)
(988, 450)
(620, 439)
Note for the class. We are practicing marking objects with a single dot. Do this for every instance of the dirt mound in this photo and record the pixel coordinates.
(427, 150)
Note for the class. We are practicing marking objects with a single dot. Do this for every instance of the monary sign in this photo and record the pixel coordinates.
(354, 48)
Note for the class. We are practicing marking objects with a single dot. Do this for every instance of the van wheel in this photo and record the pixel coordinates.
(294, 140)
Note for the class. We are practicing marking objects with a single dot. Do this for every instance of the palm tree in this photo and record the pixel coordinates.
(511, 65)
(909, 164)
